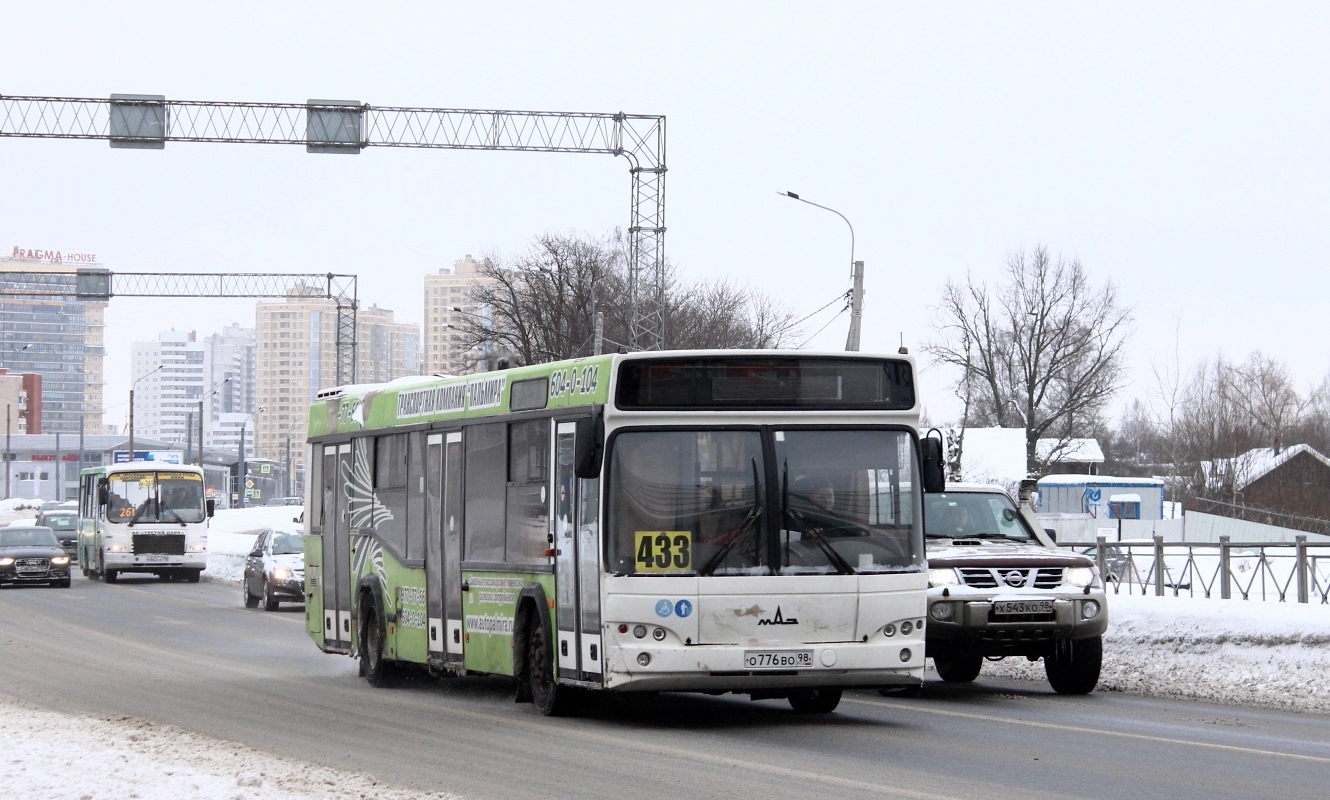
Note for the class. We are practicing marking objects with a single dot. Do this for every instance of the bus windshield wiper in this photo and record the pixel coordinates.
(178, 518)
(841, 565)
(137, 512)
(749, 521)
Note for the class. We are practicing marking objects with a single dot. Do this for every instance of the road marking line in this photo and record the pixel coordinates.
(1145, 737)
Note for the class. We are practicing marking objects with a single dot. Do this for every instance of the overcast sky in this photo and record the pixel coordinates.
(1178, 151)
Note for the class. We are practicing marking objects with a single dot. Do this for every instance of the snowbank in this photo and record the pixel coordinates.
(18, 504)
(1223, 651)
(124, 757)
(232, 532)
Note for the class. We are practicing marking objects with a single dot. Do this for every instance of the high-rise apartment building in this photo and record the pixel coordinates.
(450, 296)
(59, 338)
(168, 382)
(230, 373)
(297, 356)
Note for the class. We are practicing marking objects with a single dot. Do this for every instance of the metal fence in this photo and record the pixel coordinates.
(1268, 571)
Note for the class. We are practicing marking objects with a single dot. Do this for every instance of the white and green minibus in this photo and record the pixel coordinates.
(703, 521)
(143, 516)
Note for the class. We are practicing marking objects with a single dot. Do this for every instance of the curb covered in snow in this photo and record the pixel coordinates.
(1221, 651)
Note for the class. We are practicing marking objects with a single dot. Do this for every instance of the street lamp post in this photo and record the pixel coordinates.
(131, 408)
(856, 276)
(244, 473)
(205, 396)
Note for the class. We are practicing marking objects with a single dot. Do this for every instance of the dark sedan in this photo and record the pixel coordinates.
(275, 569)
(65, 523)
(32, 554)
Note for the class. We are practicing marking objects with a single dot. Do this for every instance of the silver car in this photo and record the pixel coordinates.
(275, 569)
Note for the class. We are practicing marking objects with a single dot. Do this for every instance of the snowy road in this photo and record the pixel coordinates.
(189, 655)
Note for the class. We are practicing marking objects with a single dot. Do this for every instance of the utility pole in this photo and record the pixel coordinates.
(856, 308)
(600, 333)
(131, 424)
(59, 471)
(8, 452)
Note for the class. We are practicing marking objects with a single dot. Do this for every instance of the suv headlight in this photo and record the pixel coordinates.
(943, 577)
(6, 561)
(60, 561)
(1080, 577)
(281, 573)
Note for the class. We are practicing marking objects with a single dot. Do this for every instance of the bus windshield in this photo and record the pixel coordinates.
(154, 496)
(711, 502)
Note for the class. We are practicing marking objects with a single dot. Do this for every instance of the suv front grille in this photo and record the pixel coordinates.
(1016, 578)
(171, 544)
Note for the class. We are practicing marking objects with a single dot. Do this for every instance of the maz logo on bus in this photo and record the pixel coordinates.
(577, 380)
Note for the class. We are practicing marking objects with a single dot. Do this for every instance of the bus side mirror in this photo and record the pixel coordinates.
(935, 479)
(101, 494)
(210, 505)
(589, 446)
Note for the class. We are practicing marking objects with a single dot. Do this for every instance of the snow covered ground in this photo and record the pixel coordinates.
(123, 758)
(232, 533)
(1223, 651)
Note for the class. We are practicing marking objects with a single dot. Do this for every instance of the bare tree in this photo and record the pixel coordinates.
(1265, 391)
(541, 305)
(1042, 350)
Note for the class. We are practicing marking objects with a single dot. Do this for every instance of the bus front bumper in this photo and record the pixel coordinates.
(151, 562)
(722, 668)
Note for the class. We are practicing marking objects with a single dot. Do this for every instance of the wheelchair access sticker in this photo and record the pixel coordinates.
(664, 608)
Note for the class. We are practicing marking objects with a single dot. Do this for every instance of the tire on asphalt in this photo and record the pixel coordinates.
(1073, 666)
(270, 601)
(378, 670)
(958, 667)
(251, 601)
(193, 575)
(817, 700)
(547, 695)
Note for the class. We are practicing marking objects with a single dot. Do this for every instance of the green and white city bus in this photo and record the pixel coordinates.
(712, 521)
(143, 516)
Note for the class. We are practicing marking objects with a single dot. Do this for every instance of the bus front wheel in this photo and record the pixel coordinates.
(819, 700)
(547, 695)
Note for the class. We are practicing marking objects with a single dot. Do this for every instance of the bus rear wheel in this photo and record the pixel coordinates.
(378, 670)
(818, 700)
(547, 695)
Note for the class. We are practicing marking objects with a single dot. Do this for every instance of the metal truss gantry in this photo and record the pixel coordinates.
(96, 284)
(336, 126)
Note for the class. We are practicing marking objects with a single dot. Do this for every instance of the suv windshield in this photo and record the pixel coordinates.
(712, 502)
(27, 537)
(60, 522)
(974, 515)
(151, 496)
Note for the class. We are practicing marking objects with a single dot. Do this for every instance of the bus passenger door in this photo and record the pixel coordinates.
(434, 544)
(336, 548)
(452, 544)
(563, 524)
(576, 563)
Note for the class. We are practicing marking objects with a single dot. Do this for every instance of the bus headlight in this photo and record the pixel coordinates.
(198, 547)
(1079, 577)
(116, 548)
(943, 577)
